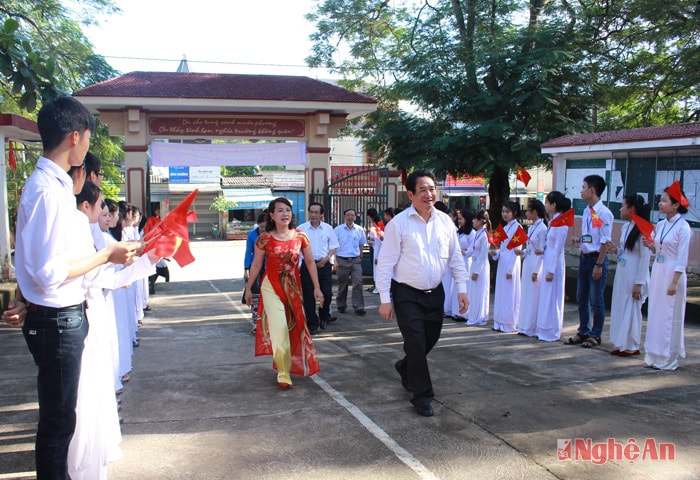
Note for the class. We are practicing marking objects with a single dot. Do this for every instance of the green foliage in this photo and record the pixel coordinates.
(221, 204)
(491, 81)
(43, 52)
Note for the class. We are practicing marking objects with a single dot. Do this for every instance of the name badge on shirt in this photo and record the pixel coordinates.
(659, 259)
(587, 239)
(622, 261)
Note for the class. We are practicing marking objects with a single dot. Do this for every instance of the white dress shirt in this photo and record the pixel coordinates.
(48, 231)
(599, 235)
(322, 239)
(416, 252)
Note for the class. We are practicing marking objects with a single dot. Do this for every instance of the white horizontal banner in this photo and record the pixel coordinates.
(228, 154)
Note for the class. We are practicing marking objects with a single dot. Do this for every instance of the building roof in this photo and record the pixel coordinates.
(250, 181)
(648, 134)
(222, 86)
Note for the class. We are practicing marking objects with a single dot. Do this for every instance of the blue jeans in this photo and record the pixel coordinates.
(56, 343)
(589, 295)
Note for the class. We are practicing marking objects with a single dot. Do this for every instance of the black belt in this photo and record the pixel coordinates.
(590, 255)
(417, 290)
(53, 311)
(348, 258)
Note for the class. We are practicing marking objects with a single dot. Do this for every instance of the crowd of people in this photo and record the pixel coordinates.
(529, 290)
(82, 292)
(412, 249)
(83, 284)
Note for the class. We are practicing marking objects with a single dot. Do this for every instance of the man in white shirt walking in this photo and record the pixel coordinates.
(50, 274)
(351, 239)
(418, 245)
(324, 244)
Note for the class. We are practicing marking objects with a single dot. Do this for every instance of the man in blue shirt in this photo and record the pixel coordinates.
(351, 239)
(248, 260)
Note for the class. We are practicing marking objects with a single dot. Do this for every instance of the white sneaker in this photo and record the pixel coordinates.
(375, 291)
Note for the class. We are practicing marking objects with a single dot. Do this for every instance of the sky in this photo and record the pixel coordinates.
(226, 36)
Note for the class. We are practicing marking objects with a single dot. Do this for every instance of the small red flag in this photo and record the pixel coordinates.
(596, 221)
(498, 236)
(675, 191)
(170, 238)
(523, 175)
(645, 227)
(518, 238)
(11, 160)
(566, 219)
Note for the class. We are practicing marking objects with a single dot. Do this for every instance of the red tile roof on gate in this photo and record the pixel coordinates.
(666, 132)
(222, 86)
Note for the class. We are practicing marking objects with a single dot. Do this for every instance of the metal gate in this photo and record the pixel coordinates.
(359, 189)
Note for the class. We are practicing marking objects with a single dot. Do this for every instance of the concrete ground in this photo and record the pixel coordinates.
(200, 405)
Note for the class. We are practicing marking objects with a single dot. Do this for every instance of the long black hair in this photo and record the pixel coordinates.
(483, 216)
(537, 206)
(556, 197)
(468, 226)
(513, 207)
(642, 209)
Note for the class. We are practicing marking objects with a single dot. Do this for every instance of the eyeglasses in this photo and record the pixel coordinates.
(100, 173)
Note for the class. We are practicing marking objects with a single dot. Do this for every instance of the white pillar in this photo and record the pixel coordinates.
(4, 216)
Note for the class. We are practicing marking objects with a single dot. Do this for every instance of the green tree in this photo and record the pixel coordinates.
(492, 80)
(43, 53)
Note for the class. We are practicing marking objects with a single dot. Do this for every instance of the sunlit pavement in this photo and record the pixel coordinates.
(200, 405)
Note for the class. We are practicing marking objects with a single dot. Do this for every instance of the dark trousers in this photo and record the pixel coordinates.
(590, 296)
(325, 281)
(56, 343)
(419, 316)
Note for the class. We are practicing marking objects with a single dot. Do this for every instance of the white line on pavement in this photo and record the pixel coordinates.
(377, 431)
(402, 454)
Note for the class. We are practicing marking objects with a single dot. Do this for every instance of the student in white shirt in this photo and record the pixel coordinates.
(50, 273)
(418, 245)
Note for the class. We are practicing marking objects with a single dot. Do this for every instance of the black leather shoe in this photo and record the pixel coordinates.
(404, 379)
(313, 332)
(332, 319)
(423, 407)
(341, 309)
(361, 313)
(323, 325)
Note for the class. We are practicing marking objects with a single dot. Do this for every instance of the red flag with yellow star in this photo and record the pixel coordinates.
(566, 219)
(498, 236)
(170, 238)
(596, 221)
(518, 238)
(523, 175)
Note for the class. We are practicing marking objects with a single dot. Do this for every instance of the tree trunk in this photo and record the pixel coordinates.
(499, 192)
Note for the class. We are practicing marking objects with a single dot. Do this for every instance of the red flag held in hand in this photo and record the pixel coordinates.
(646, 228)
(523, 175)
(498, 236)
(596, 221)
(170, 238)
(519, 238)
(566, 219)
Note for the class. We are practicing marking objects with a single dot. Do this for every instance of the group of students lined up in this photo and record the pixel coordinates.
(78, 320)
(529, 290)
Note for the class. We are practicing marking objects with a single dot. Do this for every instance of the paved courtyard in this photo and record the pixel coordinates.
(200, 405)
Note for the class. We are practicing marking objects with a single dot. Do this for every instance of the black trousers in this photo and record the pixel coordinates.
(325, 281)
(419, 316)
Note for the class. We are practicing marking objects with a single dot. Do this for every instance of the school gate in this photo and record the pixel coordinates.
(357, 188)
